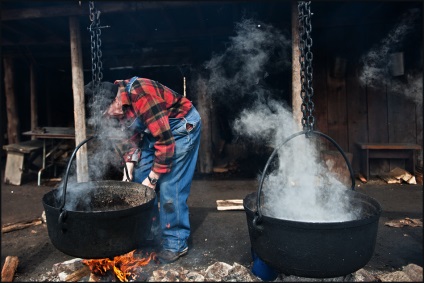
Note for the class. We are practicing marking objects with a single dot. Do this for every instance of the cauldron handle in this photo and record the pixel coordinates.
(258, 217)
(65, 183)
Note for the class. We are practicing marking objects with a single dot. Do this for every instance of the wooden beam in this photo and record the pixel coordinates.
(75, 9)
(296, 86)
(33, 99)
(11, 107)
(78, 93)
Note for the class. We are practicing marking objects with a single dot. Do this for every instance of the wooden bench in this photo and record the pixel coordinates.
(387, 150)
(17, 155)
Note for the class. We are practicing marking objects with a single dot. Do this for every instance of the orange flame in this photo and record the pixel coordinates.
(123, 266)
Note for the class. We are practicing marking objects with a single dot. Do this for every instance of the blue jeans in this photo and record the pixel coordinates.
(174, 187)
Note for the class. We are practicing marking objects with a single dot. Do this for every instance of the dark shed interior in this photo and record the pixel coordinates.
(172, 40)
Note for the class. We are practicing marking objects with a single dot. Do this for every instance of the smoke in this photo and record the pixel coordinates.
(102, 154)
(378, 61)
(243, 64)
(301, 187)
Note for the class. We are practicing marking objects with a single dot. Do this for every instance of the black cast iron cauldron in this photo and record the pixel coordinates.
(313, 249)
(98, 219)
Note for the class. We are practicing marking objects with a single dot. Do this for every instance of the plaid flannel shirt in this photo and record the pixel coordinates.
(154, 103)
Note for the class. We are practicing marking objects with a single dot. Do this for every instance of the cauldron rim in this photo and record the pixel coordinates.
(96, 185)
(319, 225)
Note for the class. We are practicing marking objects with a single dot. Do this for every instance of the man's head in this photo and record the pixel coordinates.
(102, 97)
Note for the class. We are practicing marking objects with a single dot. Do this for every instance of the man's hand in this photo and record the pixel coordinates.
(130, 167)
(152, 175)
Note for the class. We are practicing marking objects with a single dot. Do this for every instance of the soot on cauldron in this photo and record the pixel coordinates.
(102, 196)
(100, 219)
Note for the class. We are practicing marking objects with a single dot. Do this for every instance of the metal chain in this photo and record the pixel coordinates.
(305, 59)
(96, 43)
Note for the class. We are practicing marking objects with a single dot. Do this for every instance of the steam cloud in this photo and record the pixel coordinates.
(301, 188)
(102, 156)
(377, 61)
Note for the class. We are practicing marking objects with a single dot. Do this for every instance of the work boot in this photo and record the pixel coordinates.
(167, 256)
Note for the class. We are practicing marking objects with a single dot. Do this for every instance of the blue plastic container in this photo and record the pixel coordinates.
(263, 270)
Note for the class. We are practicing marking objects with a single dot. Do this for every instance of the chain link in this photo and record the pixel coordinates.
(96, 53)
(305, 59)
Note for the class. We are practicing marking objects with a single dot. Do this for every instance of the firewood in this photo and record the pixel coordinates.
(362, 178)
(230, 204)
(20, 225)
(9, 268)
(390, 180)
(93, 278)
(400, 174)
(77, 275)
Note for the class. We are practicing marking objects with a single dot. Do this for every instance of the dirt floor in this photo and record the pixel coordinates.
(217, 236)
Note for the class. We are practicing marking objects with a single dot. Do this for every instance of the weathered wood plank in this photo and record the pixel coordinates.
(320, 94)
(378, 124)
(400, 117)
(337, 108)
(356, 112)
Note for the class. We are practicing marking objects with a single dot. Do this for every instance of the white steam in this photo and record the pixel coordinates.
(377, 62)
(301, 187)
(102, 156)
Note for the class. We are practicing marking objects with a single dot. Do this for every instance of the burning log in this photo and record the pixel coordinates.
(9, 268)
(124, 266)
(20, 225)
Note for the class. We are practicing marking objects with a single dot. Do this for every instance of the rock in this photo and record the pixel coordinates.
(239, 273)
(396, 276)
(68, 266)
(216, 271)
(414, 272)
(364, 276)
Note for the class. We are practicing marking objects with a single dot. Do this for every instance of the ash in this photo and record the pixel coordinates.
(223, 272)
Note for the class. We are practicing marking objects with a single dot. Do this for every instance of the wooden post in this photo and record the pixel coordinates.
(11, 108)
(34, 106)
(78, 93)
(296, 86)
(205, 151)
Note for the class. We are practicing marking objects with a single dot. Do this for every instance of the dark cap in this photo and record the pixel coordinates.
(101, 97)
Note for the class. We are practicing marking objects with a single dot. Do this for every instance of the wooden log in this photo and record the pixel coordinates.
(296, 83)
(205, 162)
(78, 274)
(230, 204)
(94, 278)
(20, 225)
(9, 268)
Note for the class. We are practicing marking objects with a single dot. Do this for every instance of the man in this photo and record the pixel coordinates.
(163, 148)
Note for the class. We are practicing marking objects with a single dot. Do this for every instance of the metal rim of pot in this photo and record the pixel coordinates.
(258, 215)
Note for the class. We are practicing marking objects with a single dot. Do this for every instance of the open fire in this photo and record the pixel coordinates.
(124, 267)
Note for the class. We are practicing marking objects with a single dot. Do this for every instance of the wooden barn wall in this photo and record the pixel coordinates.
(350, 112)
